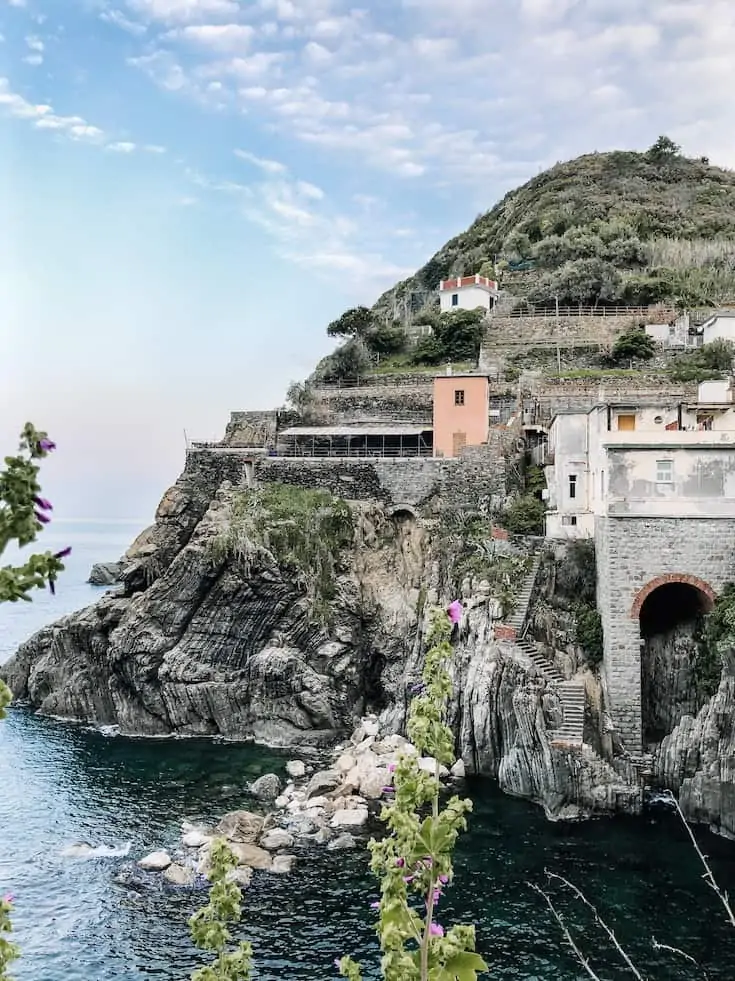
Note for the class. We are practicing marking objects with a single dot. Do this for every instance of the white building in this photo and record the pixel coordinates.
(680, 333)
(671, 460)
(467, 293)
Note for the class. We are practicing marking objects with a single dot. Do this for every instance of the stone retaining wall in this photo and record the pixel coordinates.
(410, 404)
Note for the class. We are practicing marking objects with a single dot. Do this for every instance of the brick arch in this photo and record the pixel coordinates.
(642, 594)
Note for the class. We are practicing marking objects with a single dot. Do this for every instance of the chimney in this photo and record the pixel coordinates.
(449, 367)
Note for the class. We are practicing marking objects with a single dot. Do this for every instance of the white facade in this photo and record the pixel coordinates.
(719, 327)
(659, 460)
(467, 293)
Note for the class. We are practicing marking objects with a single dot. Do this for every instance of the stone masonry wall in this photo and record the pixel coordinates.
(407, 404)
(631, 552)
(250, 428)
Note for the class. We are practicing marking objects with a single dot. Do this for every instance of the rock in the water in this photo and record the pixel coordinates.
(342, 842)
(275, 839)
(241, 826)
(252, 855)
(428, 765)
(283, 863)
(323, 782)
(267, 787)
(195, 839)
(155, 862)
(354, 817)
(458, 770)
(178, 875)
(241, 876)
(105, 573)
(296, 769)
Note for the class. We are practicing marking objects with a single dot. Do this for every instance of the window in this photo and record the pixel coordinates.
(626, 423)
(664, 471)
(569, 519)
(459, 396)
(573, 485)
(602, 483)
(455, 299)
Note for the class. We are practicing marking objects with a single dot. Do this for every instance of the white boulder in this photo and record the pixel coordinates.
(155, 862)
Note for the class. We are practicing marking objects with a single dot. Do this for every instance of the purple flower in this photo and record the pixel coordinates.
(400, 862)
(9, 898)
(388, 790)
(337, 963)
(444, 879)
(40, 516)
(428, 861)
(43, 504)
(408, 879)
(391, 768)
(437, 895)
(375, 905)
(46, 445)
(436, 930)
(417, 688)
(63, 553)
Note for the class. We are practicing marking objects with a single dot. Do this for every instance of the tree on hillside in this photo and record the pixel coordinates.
(356, 322)
(386, 339)
(457, 337)
(635, 343)
(349, 361)
(663, 149)
(586, 282)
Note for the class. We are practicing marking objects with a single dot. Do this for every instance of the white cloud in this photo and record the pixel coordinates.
(317, 54)
(33, 59)
(43, 116)
(182, 11)
(218, 36)
(154, 148)
(269, 166)
(122, 146)
(118, 19)
(35, 43)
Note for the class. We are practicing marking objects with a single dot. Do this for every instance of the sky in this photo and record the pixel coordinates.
(191, 190)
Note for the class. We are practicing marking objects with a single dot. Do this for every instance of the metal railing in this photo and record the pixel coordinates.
(376, 381)
(552, 313)
(356, 453)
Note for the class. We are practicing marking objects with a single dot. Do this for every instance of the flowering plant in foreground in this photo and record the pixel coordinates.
(23, 513)
(209, 925)
(414, 861)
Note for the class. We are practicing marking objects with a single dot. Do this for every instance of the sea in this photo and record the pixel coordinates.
(79, 919)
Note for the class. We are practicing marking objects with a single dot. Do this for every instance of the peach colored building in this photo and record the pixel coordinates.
(460, 413)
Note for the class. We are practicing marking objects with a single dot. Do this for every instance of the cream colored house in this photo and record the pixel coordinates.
(659, 460)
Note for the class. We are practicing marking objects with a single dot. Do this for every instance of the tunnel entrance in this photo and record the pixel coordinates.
(670, 614)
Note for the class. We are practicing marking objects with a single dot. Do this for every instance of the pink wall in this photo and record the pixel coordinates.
(450, 419)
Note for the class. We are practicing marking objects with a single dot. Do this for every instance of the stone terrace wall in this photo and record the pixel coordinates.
(506, 335)
(400, 404)
(250, 428)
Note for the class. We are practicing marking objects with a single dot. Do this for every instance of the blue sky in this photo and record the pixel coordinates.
(192, 189)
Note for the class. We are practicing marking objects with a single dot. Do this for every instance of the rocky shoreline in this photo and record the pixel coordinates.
(331, 807)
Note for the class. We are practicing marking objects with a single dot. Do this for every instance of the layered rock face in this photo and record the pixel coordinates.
(697, 759)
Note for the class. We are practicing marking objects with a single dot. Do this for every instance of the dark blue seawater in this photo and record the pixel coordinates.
(61, 784)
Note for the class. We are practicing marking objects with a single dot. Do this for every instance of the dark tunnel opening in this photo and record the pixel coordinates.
(670, 605)
(670, 625)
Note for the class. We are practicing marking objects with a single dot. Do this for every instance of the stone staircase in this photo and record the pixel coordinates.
(571, 693)
(518, 618)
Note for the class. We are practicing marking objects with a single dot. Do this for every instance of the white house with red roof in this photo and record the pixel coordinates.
(467, 293)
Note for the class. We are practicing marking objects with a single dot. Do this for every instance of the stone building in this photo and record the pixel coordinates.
(655, 486)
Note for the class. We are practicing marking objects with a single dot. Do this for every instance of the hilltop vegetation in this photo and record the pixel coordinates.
(620, 227)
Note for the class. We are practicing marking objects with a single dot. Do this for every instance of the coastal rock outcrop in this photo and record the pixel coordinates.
(216, 633)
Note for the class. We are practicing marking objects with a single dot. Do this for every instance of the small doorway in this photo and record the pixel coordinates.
(459, 441)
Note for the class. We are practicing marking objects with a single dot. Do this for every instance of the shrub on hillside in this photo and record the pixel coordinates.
(457, 337)
(634, 344)
(356, 322)
(524, 516)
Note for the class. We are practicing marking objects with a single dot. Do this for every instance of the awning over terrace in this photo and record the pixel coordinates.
(367, 440)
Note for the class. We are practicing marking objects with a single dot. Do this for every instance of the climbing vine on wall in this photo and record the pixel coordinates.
(716, 632)
(304, 530)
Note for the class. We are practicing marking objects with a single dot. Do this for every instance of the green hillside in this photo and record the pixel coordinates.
(618, 228)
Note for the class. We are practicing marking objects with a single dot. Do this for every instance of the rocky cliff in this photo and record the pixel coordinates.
(217, 629)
